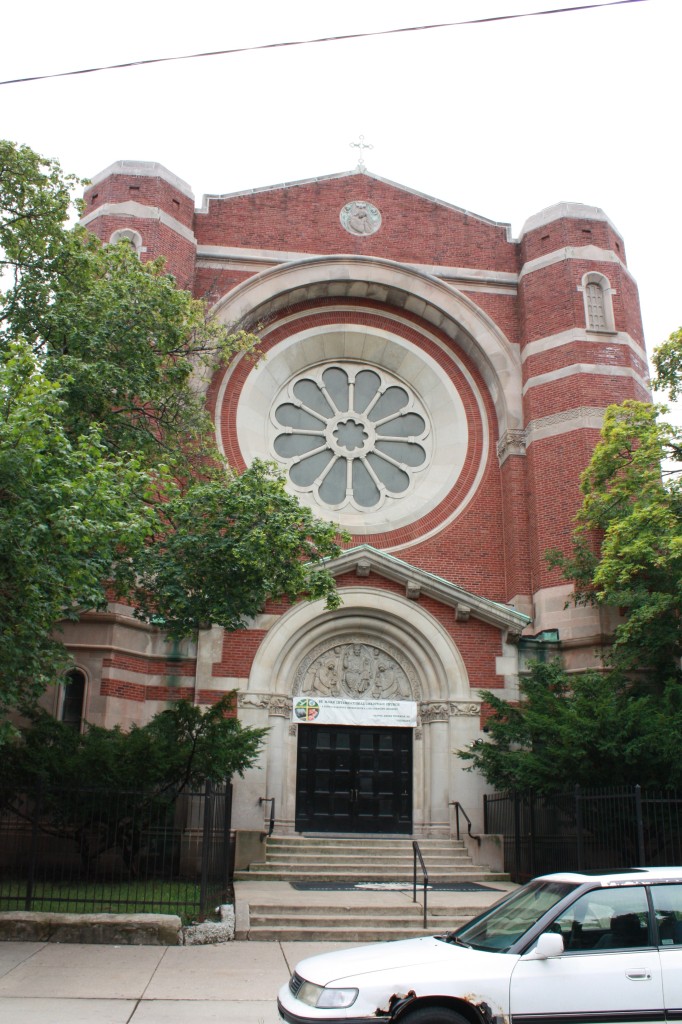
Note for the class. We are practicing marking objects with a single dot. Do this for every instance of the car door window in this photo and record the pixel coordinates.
(667, 901)
(605, 919)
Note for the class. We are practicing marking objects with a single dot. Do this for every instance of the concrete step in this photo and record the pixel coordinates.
(265, 872)
(266, 911)
(379, 846)
(334, 860)
(341, 933)
(360, 857)
(351, 924)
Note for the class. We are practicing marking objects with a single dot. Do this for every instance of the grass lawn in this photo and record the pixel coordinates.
(150, 897)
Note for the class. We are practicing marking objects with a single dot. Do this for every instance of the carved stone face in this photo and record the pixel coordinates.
(360, 218)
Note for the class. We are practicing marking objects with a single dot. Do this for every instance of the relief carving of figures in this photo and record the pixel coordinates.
(325, 677)
(389, 681)
(359, 670)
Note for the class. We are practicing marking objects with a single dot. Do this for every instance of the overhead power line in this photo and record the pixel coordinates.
(322, 39)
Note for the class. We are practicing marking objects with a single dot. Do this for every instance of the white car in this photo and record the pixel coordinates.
(566, 948)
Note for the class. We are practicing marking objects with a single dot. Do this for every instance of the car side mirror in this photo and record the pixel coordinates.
(548, 945)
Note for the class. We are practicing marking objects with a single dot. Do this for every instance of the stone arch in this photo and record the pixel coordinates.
(433, 665)
(263, 296)
(437, 667)
(134, 238)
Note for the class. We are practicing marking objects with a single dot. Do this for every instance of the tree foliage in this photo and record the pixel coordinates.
(621, 726)
(110, 791)
(67, 507)
(590, 729)
(109, 471)
(628, 541)
(180, 748)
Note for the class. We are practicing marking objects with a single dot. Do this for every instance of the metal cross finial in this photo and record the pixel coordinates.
(361, 145)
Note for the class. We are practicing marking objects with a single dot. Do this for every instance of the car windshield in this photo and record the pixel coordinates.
(500, 927)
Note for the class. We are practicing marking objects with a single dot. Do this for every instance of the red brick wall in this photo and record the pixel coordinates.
(305, 218)
(496, 546)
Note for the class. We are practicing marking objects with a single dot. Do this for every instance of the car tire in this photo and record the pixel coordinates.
(432, 1015)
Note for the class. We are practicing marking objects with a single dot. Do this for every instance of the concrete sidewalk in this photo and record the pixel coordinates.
(231, 983)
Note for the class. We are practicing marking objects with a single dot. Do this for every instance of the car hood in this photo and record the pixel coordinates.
(329, 968)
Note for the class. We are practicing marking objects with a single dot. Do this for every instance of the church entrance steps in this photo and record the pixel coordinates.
(350, 923)
(359, 859)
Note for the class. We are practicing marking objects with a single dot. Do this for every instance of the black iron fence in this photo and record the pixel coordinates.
(585, 830)
(94, 850)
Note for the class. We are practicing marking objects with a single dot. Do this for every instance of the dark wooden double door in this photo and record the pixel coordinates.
(353, 779)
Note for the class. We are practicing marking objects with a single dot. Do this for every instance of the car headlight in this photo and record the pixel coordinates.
(326, 998)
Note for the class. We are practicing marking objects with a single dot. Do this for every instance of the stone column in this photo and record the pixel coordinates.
(435, 718)
(278, 782)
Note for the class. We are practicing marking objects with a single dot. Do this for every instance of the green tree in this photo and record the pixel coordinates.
(107, 455)
(622, 725)
(181, 747)
(588, 729)
(628, 541)
(66, 510)
(142, 772)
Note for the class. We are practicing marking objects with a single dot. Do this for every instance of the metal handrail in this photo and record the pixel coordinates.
(458, 807)
(271, 800)
(416, 853)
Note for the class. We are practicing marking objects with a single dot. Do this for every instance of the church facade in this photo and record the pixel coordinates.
(433, 385)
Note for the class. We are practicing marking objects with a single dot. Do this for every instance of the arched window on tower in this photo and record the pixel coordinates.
(73, 698)
(133, 238)
(597, 296)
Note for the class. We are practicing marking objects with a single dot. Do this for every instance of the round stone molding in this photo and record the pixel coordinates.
(369, 429)
(360, 218)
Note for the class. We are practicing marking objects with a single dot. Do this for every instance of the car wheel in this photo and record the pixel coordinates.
(433, 1015)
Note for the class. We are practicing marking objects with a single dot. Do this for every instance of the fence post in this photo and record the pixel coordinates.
(206, 840)
(485, 814)
(228, 864)
(33, 856)
(579, 828)
(640, 826)
(517, 836)
(531, 826)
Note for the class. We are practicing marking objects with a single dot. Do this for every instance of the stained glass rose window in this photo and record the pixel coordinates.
(351, 435)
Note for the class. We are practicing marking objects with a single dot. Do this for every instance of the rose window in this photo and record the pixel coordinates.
(351, 435)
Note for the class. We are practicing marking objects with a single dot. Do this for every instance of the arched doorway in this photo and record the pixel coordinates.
(355, 775)
(389, 649)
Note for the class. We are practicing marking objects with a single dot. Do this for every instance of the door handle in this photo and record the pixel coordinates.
(638, 974)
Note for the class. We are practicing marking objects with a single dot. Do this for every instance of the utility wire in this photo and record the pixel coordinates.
(322, 39)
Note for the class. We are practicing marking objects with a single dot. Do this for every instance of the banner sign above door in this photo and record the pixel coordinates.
(344, 711)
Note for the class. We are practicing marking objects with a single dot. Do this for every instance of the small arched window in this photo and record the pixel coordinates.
(597, 293)
(73, 699)
(133, 238)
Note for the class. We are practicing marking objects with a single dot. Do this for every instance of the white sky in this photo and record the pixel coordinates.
(502, 119)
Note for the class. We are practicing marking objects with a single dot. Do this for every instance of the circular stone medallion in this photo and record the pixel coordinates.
(360, 218)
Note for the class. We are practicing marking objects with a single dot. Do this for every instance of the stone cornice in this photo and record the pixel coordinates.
(365, 559)
(222, 257)
(143, 169)
(139, 211)
(591, 253)
(580, 369)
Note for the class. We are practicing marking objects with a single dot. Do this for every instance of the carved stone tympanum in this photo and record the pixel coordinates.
(360, 670)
